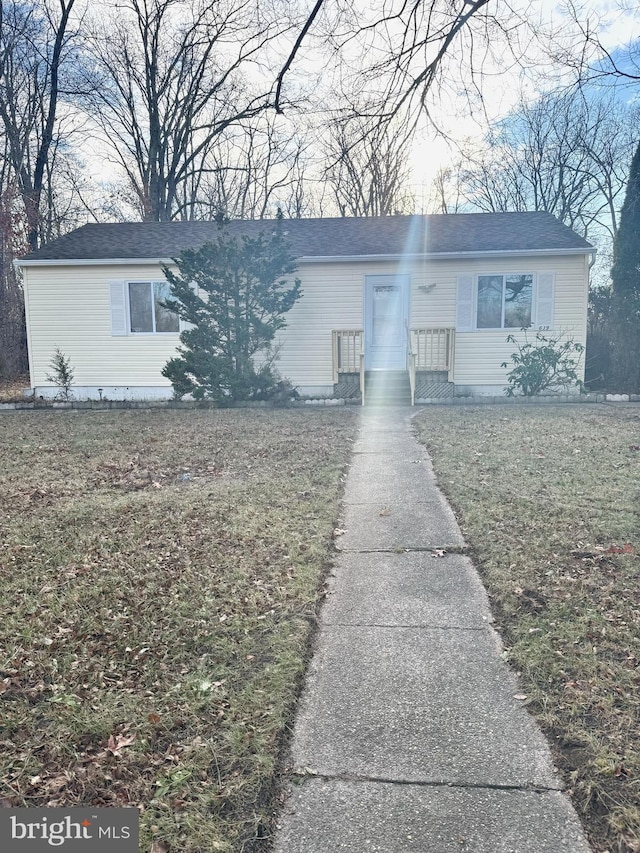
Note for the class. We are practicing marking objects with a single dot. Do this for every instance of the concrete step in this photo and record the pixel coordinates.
(387, 387)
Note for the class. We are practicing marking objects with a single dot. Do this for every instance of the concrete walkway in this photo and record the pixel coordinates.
(409, 738)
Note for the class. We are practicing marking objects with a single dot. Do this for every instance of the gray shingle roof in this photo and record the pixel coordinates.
(339, 237)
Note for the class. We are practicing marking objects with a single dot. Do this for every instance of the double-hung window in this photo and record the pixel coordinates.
(504, 301)
(494, 301)
(147, 314)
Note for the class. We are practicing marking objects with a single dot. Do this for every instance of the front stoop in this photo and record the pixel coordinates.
(387, 388)
(392, 388)
(347, 387)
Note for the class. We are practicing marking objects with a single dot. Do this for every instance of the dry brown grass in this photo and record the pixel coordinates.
(161, 573)
(11, 390)
(549, 501)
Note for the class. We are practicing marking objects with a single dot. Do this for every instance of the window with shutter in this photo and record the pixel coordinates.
(545, 290)
(118, 306)
(464, 303)
(137, 308)
(505, 301)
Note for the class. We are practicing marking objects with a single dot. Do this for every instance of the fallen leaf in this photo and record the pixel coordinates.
(159, 847)
(621, 772)
(385, 511)
(627, 548)
(115, 744)
(57, 783)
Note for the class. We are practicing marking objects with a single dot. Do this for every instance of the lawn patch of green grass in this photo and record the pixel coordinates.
(161, 573)
(548, 499)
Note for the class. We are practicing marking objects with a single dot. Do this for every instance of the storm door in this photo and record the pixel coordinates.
(386, 322)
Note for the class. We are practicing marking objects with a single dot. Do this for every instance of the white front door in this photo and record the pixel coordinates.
(386, 321)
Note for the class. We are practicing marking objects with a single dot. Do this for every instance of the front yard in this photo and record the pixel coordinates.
(549, 500)
(161, 573)
(160, 577)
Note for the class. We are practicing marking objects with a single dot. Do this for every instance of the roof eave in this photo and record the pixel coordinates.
(87, 262)
(586, 250)
(310, 259)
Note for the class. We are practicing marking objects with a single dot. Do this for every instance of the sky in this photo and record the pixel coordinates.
(451, 111)
(616, 27)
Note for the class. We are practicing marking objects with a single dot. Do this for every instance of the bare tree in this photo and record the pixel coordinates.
(368, 166)
(34, 41)
(579, 46)
(13, 347)
(35, 46)
(401, 50)
(567, 154)
(446, 192)
(170, 82)
(254, 170)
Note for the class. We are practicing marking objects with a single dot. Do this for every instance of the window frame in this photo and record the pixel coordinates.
(504, 276)
(151, 283)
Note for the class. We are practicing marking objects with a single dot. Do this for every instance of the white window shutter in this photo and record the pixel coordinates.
(118, 305)
(544, 299)
(184, 326)
(464, 303)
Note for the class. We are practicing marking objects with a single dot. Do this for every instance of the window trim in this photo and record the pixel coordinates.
(151, 283)
(504, 275)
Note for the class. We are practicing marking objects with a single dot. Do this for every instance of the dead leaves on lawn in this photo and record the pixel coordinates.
(600, 551)
(161, 594)
(117, 743)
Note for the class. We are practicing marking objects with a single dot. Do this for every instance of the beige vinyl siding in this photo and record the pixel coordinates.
(68, 307)
(332, 298)
(479, 354)
(435, 305)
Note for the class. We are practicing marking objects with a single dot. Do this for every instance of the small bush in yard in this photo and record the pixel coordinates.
(549, 364)
(62, 374)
